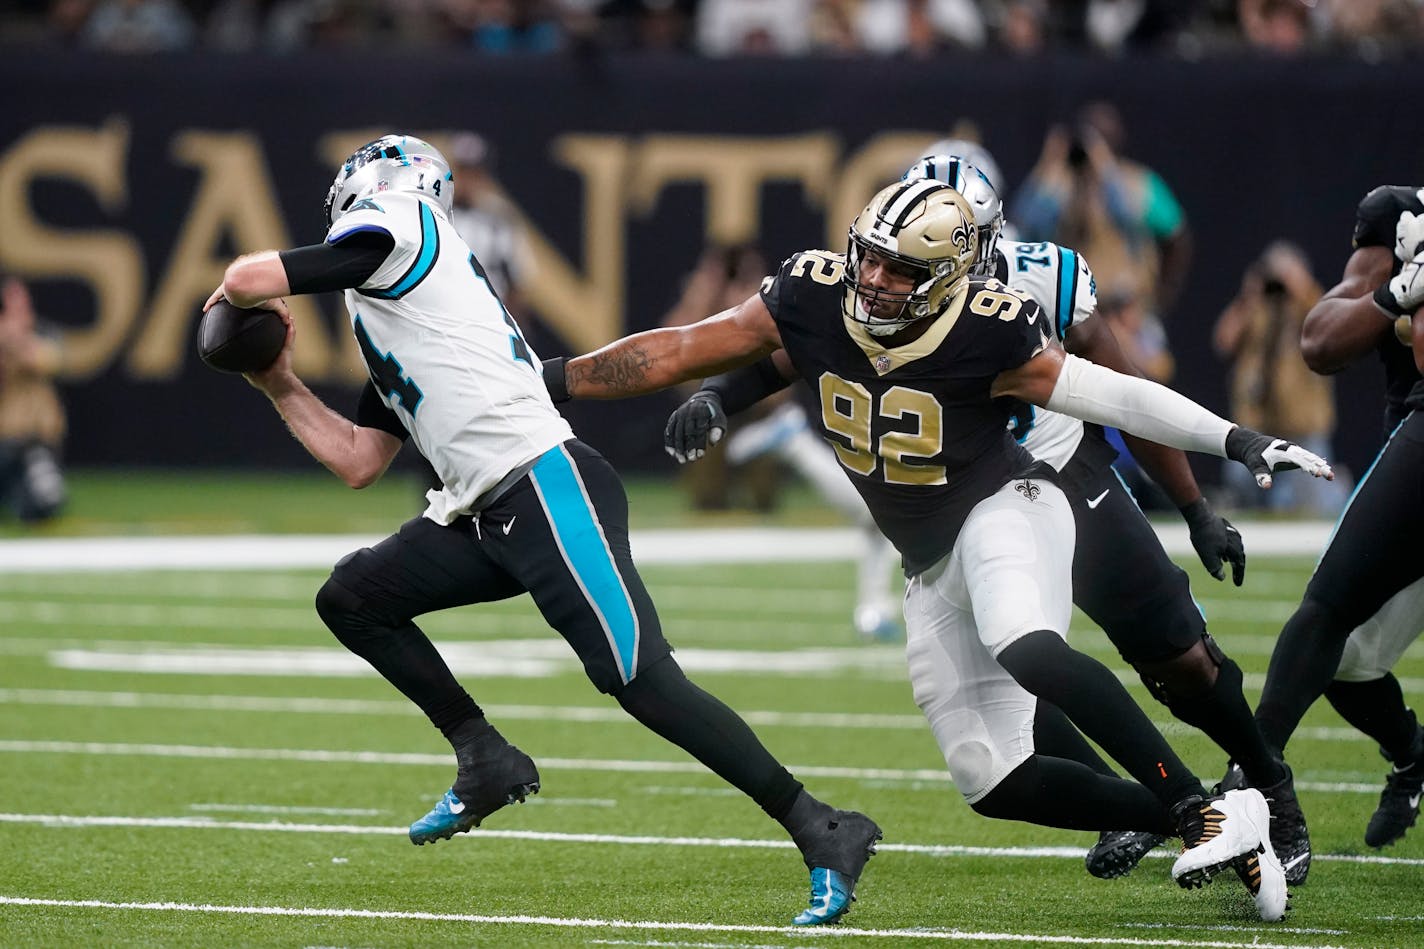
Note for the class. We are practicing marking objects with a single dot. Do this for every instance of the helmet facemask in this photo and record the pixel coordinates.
(921, 230)
(978, 191)
(391, 163)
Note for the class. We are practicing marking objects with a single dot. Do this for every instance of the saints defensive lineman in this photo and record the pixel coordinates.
(1370, 573)
(916, 367)
(1122, 578)
(524, 507)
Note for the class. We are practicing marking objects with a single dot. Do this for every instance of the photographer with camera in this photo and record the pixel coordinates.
(1116, 212)
(32, 422)
(1259, 335)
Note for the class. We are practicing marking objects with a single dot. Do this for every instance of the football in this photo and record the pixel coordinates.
(237, 339)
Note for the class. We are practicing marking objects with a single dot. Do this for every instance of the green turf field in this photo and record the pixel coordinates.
(188, 759)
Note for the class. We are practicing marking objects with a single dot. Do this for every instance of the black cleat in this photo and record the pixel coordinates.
(1118, 852)
(1289, 836)
(505, 777)
(1398, 806)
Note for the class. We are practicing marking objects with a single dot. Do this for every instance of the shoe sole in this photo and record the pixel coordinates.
(517, 794)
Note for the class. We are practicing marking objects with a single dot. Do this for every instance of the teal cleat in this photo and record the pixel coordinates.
(448, 817)
(835, 849)
(505, 777)
(831, 896)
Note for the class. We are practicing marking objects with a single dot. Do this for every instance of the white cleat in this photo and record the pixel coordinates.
(1217, 832)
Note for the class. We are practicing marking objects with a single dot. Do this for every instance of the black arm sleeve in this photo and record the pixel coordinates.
(319, 268)
(371, 412)
(742, 388)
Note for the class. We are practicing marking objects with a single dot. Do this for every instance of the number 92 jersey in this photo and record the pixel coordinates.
(1060, 281)
(914, 426)
(445, 355)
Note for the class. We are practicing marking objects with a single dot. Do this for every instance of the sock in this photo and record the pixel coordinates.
(1055, 792)
(459, 718)
(1302, 667)
(1096, 702)
(1055, 737)
(1222, 713)
(1377, 708)
(663, 699)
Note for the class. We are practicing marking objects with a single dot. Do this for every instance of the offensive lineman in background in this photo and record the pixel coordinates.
(1122, 578)
(1365, 603)
(525, 506)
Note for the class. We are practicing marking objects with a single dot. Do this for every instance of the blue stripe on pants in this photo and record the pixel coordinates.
(586, 552)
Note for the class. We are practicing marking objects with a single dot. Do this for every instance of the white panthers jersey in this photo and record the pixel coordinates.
(1059, 280)
(445, 355)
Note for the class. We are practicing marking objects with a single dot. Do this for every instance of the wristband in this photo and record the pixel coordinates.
(555, 378)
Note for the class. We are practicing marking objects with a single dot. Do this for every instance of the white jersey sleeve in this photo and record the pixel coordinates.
(1061, 282)
(1057, 277)
(445, 355)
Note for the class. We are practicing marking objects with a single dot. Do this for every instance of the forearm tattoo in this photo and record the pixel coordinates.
(620, 371)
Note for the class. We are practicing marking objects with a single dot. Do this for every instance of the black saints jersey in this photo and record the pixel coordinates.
(1375, 221)
(914, 426)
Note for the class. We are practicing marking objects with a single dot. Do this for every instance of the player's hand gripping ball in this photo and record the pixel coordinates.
(236, 339)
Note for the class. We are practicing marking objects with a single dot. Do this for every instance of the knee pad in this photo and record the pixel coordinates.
(971, 766)
(337, 603)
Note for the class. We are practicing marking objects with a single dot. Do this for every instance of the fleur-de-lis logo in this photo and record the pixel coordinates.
(961, 236)
(1028, 489)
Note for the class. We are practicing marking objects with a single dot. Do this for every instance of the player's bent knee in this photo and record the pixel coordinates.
(1191, 673)
(971, 767)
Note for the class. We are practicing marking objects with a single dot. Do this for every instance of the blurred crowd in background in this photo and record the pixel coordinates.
(1369, 29)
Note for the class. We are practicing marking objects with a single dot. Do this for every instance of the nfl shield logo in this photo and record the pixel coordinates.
(882, 363)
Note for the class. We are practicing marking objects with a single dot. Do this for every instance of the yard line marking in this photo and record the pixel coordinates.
(327, 756)
(245, 703)
(70, 821)
(663, 546)
(949, 935)
(288, 809)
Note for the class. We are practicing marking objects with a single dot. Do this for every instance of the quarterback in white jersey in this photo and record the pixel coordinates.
(525, 506)
(489, 413)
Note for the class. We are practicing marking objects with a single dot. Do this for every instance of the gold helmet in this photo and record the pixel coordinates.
(923, 228)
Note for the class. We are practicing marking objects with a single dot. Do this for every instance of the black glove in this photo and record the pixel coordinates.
(1264, 454)
(1215, 541)
(694, 426)
(555, 380)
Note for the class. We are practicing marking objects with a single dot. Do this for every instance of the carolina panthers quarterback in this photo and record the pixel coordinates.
(917, 367)
(1363, 606)
(525, 506)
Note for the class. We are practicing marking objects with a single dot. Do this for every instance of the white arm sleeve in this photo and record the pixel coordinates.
(1145, 409)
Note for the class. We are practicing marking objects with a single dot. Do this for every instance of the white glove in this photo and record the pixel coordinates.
(1404, 293)
(1409, 235)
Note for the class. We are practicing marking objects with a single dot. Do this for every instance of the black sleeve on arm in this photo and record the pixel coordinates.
(319, 268)
(742, 388)
(371, 412)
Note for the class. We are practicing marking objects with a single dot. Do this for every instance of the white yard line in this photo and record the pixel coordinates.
(929, 776)
(72, 821)
(721, 545)
(837, 932)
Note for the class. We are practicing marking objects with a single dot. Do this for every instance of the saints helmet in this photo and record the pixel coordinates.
(924, 229)
(391, 163)
(970, 181)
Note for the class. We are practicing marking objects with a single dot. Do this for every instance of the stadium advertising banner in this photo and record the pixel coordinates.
(127, 184)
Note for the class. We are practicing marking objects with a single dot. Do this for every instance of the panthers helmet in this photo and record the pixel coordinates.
(970, 181)
(972, 152)
(926, 230)
(391, 163)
